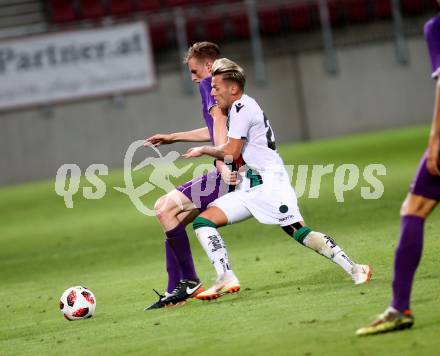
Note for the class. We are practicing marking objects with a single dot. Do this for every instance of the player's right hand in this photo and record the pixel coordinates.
(228, 176)
(158, 139)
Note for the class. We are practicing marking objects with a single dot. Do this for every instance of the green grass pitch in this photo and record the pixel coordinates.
(292, 302)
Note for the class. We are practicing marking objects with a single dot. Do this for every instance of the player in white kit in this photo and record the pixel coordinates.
(265, 191)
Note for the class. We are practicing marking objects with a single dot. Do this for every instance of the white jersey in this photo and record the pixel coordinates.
(267, 194)
(247, 121)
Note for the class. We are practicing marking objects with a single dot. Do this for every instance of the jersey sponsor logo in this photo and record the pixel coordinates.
(238, 107)
(286, 218)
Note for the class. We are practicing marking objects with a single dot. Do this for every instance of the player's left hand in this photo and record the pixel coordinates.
(432, 161)
(193, 152)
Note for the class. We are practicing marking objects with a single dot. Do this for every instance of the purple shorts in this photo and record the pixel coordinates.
(205, 189)
(424, 183)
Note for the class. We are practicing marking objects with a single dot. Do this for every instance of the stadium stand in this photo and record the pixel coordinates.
(417, 7)
(381, 9)
(147, 6)
(121, 7)
(62, 11)
(175, 3)
(91, 9)
(240, 25)
(211, 27)
(221, 21)
(357, 11)
(270, 20)
(301, 15)
(162, 34)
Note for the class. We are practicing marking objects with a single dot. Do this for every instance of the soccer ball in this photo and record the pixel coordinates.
(77, 303)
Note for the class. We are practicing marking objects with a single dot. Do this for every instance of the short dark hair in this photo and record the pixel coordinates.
(230, 71)
(202, 50)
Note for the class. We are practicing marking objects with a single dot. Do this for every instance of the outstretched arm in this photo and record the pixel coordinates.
(231, 149)
(433, 162)
(197, 135)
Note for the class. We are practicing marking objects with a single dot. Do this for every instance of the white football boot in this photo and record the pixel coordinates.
(226, 283)
(361, 274)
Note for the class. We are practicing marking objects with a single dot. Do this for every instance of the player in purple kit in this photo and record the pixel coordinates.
(423, 197)
(180, 206)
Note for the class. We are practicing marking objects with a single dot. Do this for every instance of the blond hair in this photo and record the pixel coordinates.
(202, 50)
(230, 71)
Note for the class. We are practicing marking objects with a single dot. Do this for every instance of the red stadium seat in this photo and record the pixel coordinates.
(270, 20)
(91, 9)
(357, 10)
(160, 34)
(202, 2)
(382, 8)
(240, 25)
(194, 31)
(214, 29)
(337, 12)
(147, 5)
(210, 28)
(301, 16)
(120, 7)
(412, 7)
(175, 3)
(62, 11)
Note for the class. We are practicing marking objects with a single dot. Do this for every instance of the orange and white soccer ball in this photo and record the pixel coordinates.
(77, 303)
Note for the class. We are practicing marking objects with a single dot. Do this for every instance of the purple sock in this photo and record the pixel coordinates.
(178, 240)
(406, 259)
(173, 267)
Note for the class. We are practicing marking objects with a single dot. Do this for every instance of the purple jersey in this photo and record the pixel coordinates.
(424, 183)
(207, 103)
(203, 190)
(432, 35)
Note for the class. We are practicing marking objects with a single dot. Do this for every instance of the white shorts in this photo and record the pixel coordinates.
(273, 202)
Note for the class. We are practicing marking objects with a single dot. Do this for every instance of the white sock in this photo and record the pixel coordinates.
(325, 246)
(215, 248)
